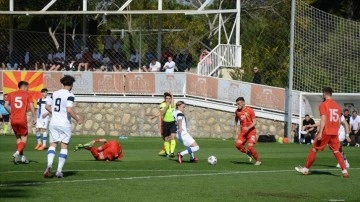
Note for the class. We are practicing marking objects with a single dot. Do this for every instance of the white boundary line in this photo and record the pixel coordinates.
(155, 176)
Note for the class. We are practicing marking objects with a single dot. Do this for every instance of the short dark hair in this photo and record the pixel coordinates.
(327, 90)
(44, 90)
(167, 94)
(307, 115)
(67, 80)
(178, 103)
(240, 99)
(346, 110)
(22, 83)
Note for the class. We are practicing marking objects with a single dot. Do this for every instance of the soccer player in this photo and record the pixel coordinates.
(246, 116)
(109, 151)
(330, 113)
(60, 105)
(4, 115)
(17, 103)
(183, 135)
(42, 121)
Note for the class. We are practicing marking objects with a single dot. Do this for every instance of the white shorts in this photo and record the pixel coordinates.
(59, 134)
(185, 138)
(42, 122)
(341, 136)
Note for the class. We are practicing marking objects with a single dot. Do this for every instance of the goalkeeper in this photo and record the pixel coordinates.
(108, 151)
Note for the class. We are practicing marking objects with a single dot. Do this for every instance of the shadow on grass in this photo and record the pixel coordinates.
(11, 193)
(327, 166)
(317, 172)
(240, 162)
(69, 173)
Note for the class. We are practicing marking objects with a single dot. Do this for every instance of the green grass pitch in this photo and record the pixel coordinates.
(142, 175)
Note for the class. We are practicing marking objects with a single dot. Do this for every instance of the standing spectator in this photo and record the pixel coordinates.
(42, 121)
(187, 60)
(17, 103)
(355, 126)
(309, 132)
(154, 66)
(165, 55)
(183, 134)
(108, 43)
(207, 62)
(257, 76)
(27, 60)
(330, 113)
(247, 118)
(183, 60)
(61, 107)
(170, 66)
(4, 54)
(14, 62)
(4, 115)
(149, 56)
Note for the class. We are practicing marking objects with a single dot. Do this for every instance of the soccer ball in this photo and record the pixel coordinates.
(212, 160)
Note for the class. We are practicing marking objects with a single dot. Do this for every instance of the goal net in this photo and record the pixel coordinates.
(326, 51)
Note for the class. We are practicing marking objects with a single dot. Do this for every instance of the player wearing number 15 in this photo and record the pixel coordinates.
(330, 113)
(18, 103)
(60, 105)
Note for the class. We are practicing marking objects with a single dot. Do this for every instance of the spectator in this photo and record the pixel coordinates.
(308, 132)
(154, 66)
(206, 64)
(14, 61)
(27, 60)
(165, 55)
(4, 54)
(107, 64)
(108, 43)
(170, 66)
(355, 126)
(134, 61)
(183, 60)
(97, 59)
(58, 60)
(86, 60)
(257, 76)
(48, 62)
(149, 56)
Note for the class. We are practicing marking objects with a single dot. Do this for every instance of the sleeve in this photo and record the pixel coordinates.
(162, 105)
(342, 118)
(252, 114)
(312, 122)
(322, 109)
(304, 122)
(70, 100)
(180, 116)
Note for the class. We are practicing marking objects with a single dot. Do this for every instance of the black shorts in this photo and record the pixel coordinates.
(169, 127)
(5, 118)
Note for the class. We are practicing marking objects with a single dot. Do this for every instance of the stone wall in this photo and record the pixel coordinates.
(117, 119)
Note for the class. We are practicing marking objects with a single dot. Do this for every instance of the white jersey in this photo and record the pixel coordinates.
(59, 101)
(354, 122)
(41, 107)
(179, 116)
(342, 129)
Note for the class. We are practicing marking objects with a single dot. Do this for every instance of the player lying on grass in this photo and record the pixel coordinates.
(108, 151)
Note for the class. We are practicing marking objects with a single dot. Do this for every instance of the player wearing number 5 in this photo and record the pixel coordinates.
(18, 103)
(330, 113)
(60, 105)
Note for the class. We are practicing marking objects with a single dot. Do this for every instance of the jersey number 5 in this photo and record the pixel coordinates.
(334, 116)
(57, 104)
(18, 102)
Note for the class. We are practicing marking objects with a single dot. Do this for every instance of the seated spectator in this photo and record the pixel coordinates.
(149, 56)
(107, 64)
(97, 59)
(58, 61)
(134, 61)
(154, 66)
(14, 61)
(27, 60)
(307, 131)
(170, 66)
(165, 55)
(4, 54)
(86, 60)
(48, 61)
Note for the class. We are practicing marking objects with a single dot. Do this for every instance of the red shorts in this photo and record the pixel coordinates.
(20, 128)
(331, 140)
(108, 151)
(249, 136)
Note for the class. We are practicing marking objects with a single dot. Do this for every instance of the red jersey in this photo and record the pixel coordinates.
(19, 102)
(246, 115)
(332, 112)
(112, 150)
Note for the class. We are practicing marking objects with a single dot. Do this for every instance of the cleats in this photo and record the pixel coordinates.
(38, 146)
(47, 172)
(162, 153)
(346, 175)
(42, 147)
(257, 163)
(249, 155)
(16, 158)
(357, 145)
(79, 146)
(302, 170)
(172, 155)
(347, 165)
(179, 156)
(24, 160)
(59, 175)
(194, 160)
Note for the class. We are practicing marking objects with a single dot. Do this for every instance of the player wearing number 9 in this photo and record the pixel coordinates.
(60, 105)
(18, 103)
(330, 113)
